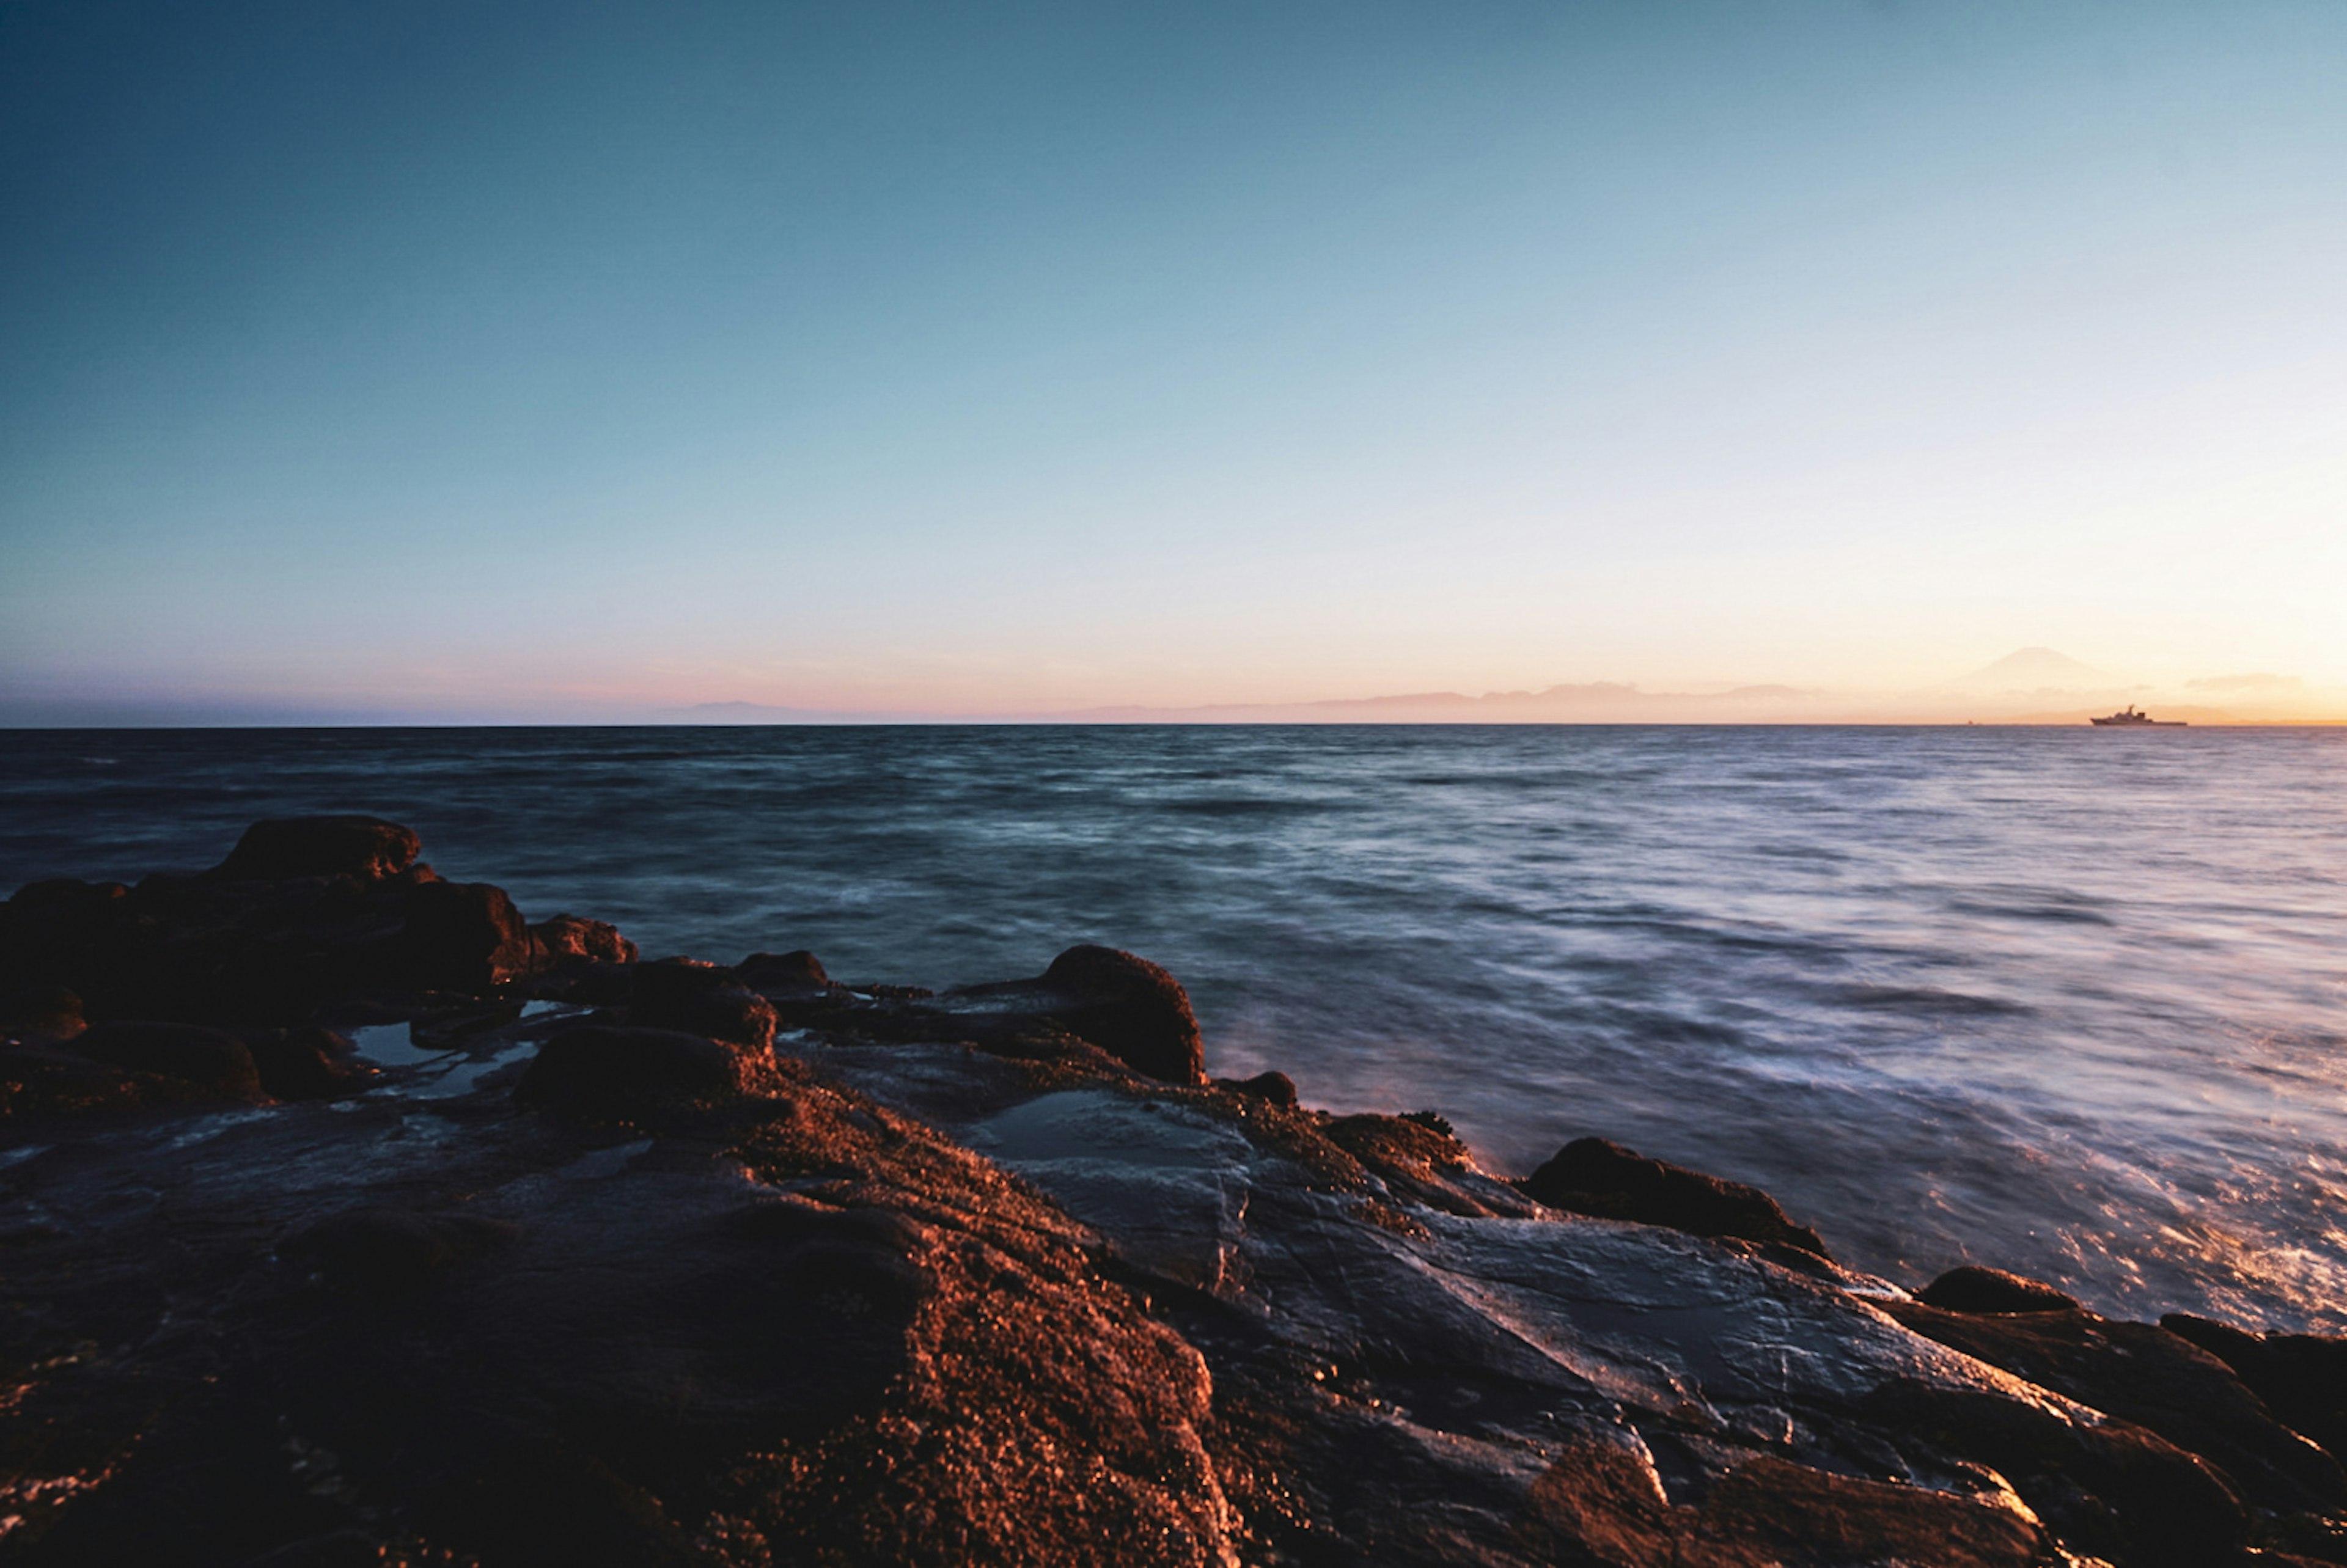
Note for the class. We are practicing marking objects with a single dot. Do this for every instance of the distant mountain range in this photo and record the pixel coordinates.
(1599, 700)
(2029, 685)
(763, 713)
(2036, 670)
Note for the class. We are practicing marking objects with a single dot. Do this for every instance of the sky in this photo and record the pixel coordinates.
(562, 362)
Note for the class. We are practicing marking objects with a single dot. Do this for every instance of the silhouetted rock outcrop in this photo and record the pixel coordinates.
(1275, 1087)
(1594, 1177)
(1973, 1288)
(367, 847)
(305, 910)
(1129, 1008)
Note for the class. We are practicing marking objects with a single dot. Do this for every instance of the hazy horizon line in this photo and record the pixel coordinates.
(2033, 686)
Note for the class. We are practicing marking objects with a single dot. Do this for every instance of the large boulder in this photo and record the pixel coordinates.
(367, 847)
(464, 937)
(1595, 1176)
(1131, 1008)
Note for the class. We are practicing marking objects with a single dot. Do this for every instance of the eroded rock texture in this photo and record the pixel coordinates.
(749, 1320)
(680, 1263)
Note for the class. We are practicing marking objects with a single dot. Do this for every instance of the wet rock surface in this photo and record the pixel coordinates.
(481, 1242)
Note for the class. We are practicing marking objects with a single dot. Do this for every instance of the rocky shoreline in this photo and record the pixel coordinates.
(347, 1217)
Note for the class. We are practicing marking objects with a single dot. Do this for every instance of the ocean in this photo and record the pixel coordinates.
(2071, 1003)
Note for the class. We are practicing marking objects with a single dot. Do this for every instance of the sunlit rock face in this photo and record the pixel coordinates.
(1426, 1363)
(589, 1260)
(746, 1317)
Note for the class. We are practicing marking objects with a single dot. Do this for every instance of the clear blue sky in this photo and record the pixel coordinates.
(566, 359)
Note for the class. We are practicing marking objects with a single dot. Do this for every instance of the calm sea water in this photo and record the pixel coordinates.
(2071, 1003)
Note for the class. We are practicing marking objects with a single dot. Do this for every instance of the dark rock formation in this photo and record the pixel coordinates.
(40, 1078)
(568, 939)
(806, 1331)
(787, 977)
(129, 1062)
(681, 993)
(1275, 1087)
(2107, 1489)
(303, 1063)
(1417, 1163)
(2157, 1380)
(2301, 1377)
(1593, 1176)
(1129, 1008)
(1122, 1005)
(367, 847)
(1599, 1503)
(1115, 1003)
(303, 910)
(210, 1060)
(617, 1072)
(1971, 1289)
(461, 936)
(49, 1011)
